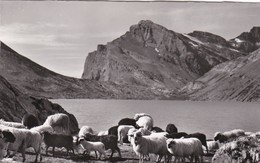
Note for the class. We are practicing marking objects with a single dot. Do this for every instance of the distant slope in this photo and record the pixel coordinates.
(236, 80)
(151, 56)
(33, 79)
(247, 41)
(14, 104)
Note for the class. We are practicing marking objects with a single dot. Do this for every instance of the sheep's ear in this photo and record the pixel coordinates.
(81, 139)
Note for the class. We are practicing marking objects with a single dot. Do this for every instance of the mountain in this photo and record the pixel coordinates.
(33, 79)
(247, 41)
(236, 80)
(14, 104)
(153, 57)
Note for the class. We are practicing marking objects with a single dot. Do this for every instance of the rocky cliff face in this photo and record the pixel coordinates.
(33, 79)
(14, 104)
(236, 80)
(152, 56)
(247, 41)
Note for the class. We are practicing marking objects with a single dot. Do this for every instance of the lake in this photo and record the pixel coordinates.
(188, 116)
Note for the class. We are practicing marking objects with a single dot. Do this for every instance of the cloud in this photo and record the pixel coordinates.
(35, 34)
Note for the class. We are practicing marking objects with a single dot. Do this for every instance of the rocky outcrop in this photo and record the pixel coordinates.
(243, 149)
(247, 41)
(236, 80)
(14, 104)
(151, 56)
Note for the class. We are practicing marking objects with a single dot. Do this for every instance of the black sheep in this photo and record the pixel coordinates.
(30, 121)
(58, 140)
(110, 142)
(157, 129)
(128, 121)
(171, 128)
(176, 135)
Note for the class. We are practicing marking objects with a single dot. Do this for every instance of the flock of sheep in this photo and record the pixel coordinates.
(139, 131)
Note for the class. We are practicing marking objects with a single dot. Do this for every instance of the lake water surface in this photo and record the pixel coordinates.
(188, 116)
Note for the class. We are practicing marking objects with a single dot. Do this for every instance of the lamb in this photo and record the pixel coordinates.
(24, 139)
(110, 142)
(185, 147)
(92, 146)
(84, 130)
(59, 122)
(144, 145)
(30, 121)
(123, 131)
(171, 128)
(228, 135)
(58, 140)
(128, 121)
(11, 124)
(201, 137)
(144, 120)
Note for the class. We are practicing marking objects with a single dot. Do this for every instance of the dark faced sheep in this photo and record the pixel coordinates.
(171, 128)
(30, 121)
(59, 122)
(58, 140)
(110, 142)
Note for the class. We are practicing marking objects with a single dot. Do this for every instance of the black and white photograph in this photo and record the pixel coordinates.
(129, 81)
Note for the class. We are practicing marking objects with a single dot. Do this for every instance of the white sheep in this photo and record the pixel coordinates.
(24, 139)
(212, 145)
(43, 128)
(84, 130)
(100, 133)
(123, 131)
(144, 120)
(60, 123)
(11, 124)
(144, 145)
(185, 147)
(133, 130)
(92, 146)
(223, 137)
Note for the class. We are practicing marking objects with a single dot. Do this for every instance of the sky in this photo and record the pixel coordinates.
(59, 34)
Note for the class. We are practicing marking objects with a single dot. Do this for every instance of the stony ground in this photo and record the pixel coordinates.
(127, 152)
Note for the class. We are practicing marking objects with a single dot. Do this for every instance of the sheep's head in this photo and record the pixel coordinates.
(77, 140)
(171, 143)
(220, 137)
(137, 137)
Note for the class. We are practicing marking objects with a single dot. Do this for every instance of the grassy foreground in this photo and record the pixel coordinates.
(127, 152)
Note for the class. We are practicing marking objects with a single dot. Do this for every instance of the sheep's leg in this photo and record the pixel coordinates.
(47, 147)
(53, 148)
(112, 154)
(159, 158)
(96, 154)
(118, 150)
(23, 154)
